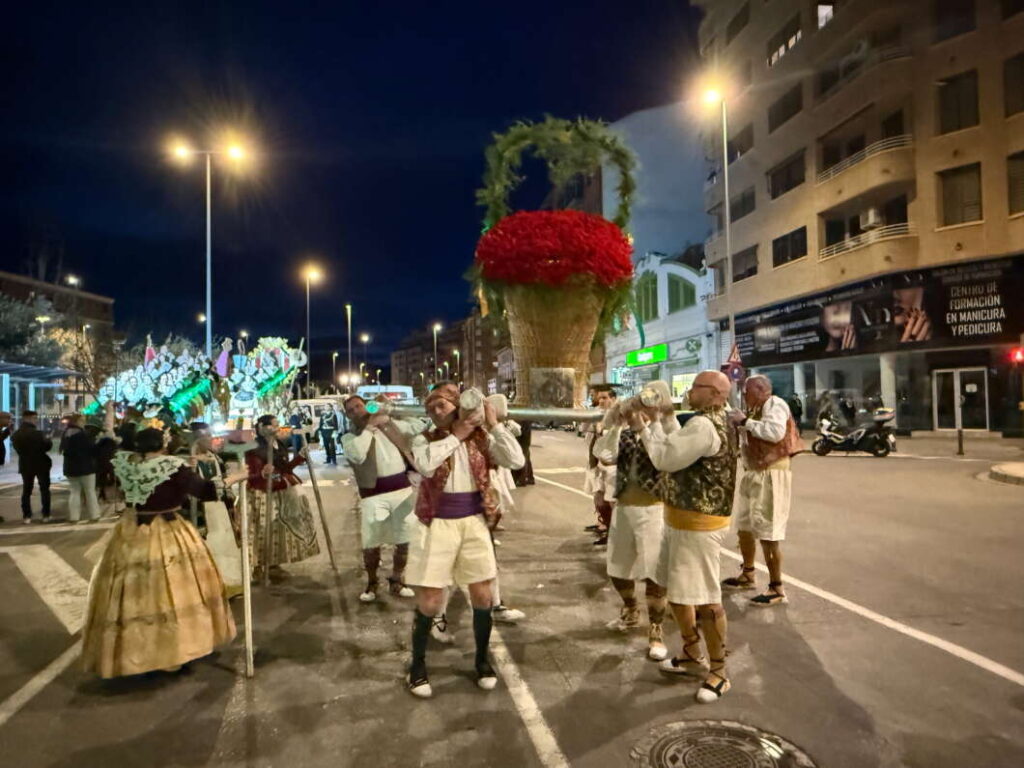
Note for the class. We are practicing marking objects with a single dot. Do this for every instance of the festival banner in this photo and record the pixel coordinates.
(967, 304)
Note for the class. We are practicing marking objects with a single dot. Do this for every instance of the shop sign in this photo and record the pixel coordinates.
(970, 304)
(687, 351)
(647, 355)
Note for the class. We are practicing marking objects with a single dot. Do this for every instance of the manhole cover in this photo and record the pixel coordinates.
(716, 744)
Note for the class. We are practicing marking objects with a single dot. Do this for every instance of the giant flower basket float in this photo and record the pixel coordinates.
(556, 277)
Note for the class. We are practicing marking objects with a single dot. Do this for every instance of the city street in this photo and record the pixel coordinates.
(900, 646)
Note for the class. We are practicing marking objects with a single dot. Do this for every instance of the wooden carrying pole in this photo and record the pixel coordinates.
(319, 501)
(246, 578)
(268, 522)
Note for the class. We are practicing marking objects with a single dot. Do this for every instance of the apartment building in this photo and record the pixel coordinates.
(875, 157)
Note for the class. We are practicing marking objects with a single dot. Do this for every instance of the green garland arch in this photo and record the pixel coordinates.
(569, 147)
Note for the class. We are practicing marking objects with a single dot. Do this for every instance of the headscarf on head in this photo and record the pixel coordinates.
(443, 393)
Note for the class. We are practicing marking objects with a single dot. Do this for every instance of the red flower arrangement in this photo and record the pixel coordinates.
(550, 247)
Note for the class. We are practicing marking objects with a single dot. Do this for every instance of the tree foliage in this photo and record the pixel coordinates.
(23, 337)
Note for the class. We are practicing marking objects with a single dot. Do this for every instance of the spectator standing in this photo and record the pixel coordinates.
(34, 464)
(78, 446)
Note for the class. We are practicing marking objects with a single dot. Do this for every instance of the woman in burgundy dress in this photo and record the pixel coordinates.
(294, 534)
(156, 599)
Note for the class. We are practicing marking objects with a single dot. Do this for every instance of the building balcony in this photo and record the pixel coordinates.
(855, 64)
(865, 239)
(885, 163)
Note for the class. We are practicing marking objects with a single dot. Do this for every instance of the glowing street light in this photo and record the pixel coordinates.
(334, 365)
(378, 375)
(458, 363)
(243, 334)
(201, 318)
(73, 280)
(183, 153)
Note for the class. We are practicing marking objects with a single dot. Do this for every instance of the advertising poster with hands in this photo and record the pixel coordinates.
(967, 304)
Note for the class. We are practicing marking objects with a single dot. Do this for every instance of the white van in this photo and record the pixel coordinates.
(397, 393)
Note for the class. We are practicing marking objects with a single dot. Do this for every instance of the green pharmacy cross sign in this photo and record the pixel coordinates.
(647, 356)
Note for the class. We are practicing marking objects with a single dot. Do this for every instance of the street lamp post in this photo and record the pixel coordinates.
(365, 339)
(312, 275)
(437, 327)
(711, 96)
(348, 323)
(334, 369)
(378, 376)
(458, 364)
(183, 153)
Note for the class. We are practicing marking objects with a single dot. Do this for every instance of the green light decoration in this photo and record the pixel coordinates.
(273, 382)
(92, 408)
(181, 399)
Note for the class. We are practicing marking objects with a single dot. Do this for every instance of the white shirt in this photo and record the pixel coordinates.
(771, 427)
(388, 458)
(681, 448)
(428, 456)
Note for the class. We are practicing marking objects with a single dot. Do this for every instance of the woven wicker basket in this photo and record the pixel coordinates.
(552, 329)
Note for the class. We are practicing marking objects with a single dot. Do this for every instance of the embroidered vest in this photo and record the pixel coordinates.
(759, 454)
(707, 485)
(480, 466)
(634, 466)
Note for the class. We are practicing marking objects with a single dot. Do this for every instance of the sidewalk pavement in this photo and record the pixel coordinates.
(1011, 472)
(997, 449)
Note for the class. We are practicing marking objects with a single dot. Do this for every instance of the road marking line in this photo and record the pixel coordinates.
(56, 582)
(543, 738)
(959, 651)
(561, 470)
(40, 680)
(35, 528)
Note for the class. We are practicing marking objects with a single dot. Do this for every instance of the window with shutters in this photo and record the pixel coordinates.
(744, 264)
(961, 194)
(1015, 176)
(952, 18)
(783, 41)
(789, 104)
(682, 294)
(789, 247)
(786, 175)
(958, 102)
(1013, 84)
(737, 23)
(741, 143)
(742, 204)
(647, 297)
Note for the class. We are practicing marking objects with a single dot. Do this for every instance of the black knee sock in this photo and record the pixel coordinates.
(420, 634)
(482, 623)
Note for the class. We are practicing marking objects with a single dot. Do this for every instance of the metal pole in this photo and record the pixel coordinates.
(246, 578)
(728, 230)
(268, 523)
(433, 374)
(209, 265)
(348, 322)
(309, 340)
(319, 502)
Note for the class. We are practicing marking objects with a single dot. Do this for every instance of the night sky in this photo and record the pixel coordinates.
(370, 120)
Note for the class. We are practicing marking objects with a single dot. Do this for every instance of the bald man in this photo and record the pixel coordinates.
(769, 437)
(700, 465)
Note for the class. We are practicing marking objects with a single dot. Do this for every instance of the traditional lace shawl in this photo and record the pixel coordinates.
(139, 477)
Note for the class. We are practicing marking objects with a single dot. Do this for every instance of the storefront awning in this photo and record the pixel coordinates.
(35, 373)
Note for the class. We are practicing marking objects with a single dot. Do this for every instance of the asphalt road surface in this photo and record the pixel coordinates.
(902, 644)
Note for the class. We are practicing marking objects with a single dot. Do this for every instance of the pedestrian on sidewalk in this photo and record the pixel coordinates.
(78, 446)
(769, 437)
(700, 465)
(33, 448)
(455, 509)
(634, 538)
(328, 429)
(5, 432)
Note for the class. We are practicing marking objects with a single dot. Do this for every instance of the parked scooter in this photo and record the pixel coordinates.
(876, 438)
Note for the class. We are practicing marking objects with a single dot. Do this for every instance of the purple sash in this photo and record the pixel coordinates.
(453, 506)
(386, 485)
